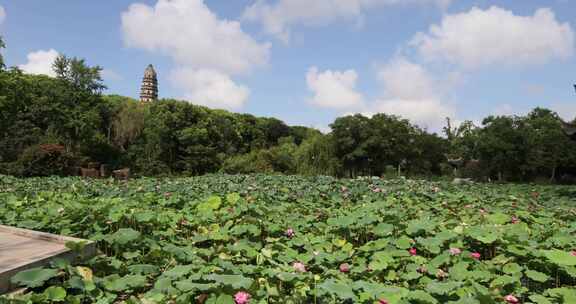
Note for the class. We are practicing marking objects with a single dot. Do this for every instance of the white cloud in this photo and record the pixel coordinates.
(111, 75)
(412, 92)
(504, 109)
(535, 89)
(566, 111)
(40, 62)
(402, 78)
(206, 48)
(2, 14)
(324, 129)
(409, 91)
(193, 36)
(210, 88)
(278, 18)
(428, 113)
(334, 89)
(496, 36)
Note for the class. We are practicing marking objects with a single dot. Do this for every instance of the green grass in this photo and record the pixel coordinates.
(207, 238)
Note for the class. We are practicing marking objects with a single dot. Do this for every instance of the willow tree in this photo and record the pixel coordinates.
(128, 123)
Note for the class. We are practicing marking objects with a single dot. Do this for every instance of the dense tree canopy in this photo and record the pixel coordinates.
(56, 125)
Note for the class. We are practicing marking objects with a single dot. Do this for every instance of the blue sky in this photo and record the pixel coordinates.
(310, 62)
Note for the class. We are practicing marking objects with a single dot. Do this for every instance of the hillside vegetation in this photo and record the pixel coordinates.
(55, 125)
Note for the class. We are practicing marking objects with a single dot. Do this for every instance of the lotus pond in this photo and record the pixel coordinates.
(284, 239)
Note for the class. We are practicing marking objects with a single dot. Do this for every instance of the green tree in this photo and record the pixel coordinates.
(316, 155)
(463, 140)
(549, 148)
(81, 76)
(503, 146)
(391, 142)
(428, 154)
(350, 134)
(128, 123)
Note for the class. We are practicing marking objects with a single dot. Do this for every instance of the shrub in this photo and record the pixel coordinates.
(46, 160)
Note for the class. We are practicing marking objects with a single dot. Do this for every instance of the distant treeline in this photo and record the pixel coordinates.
(53, 126)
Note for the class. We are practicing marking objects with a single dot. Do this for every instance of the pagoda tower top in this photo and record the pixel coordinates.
(149, 89)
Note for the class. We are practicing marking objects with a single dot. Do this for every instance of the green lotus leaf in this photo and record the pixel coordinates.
(560, 257)
(568, 295)
(234, 280)
(421, 297)
(486, 235)
(341, 290)
(403, 243)
(211, 204)
(55, 293)
(537, 276)
(124, 236)
(383, 229)
(499, 218)
(187, 286)
(225, 299)
(442, 288)
(539, 299)
(178, 271)
(143, 269)
(232, 198)
(512, 268)
(117, 283)
(34, 277)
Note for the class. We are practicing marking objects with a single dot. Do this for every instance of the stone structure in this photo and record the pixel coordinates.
(149, 90)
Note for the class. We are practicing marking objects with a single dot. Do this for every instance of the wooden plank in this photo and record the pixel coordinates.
(22, 249)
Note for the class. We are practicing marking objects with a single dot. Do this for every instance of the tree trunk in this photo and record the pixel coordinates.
(553, 176)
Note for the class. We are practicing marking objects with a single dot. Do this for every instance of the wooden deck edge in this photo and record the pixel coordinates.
(60, 239)
(88, 251)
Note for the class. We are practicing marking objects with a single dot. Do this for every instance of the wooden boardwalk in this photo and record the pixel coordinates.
(21, 249)
(18, 250)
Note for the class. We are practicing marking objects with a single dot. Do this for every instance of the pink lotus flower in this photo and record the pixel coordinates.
(573, 252)
(382, 301)
(455, 251)
(511, 299)
(515, 220)
(475, 255)
(299, 267)
(242, 297)
(290, 233)
(183, 221)
(413, 251)
(345, 267)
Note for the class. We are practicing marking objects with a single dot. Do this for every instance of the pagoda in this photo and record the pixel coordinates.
(149, 90)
